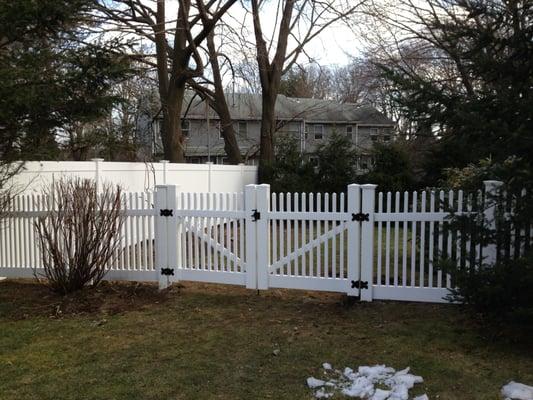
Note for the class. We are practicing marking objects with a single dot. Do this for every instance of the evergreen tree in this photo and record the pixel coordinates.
(475, 89)
(53, 74)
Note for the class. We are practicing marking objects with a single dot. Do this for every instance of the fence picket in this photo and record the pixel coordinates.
(431, 239)
(422, 260)
(413, 240)
(379, 277)
(387, 242)
(396, 237)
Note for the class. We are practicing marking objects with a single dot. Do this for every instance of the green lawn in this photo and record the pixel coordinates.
(216, 342)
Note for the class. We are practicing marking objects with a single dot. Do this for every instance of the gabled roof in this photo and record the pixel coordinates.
(245, 106)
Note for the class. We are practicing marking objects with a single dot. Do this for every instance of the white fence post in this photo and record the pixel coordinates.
(354, 239)
(492, 189)
(160, 235)
(165, 168)
(250, 236)
(209, 166)
(167, 241)
(263, 239)
(98, 173)
(367, 241)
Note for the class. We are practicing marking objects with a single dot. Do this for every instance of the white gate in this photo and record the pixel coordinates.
(299, 241)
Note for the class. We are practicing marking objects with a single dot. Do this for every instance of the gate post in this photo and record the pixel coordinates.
(250, 236)
(263, 240)
(354, 240)
(367, 241)
(492, 188)
(160, 235)
(165, 233)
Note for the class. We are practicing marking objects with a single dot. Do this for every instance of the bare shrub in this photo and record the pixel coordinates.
(79, 234)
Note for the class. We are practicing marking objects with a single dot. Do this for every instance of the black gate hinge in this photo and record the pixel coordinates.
(167, 271)
(256, 215)
(166, 212)
(359, 284)
(360, 217)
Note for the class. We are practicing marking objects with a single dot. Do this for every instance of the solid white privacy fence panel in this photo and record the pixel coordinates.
(362, 243)
(139, 176)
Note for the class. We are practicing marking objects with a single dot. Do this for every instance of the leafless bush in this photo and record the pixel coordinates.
(78, 235)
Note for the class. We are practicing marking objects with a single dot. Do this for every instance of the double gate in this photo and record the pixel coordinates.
(257, 240)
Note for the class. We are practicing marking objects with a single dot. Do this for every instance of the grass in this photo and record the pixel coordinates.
(127, 341)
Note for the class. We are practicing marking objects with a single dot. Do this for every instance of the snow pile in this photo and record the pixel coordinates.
(393, 385)
(517, 391)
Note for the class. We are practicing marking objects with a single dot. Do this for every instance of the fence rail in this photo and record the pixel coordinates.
(363, 243)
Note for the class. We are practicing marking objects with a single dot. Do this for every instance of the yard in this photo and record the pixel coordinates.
(127, 341)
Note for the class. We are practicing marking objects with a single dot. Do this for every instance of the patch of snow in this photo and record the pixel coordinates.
(517, 391)
(314, 383)
(362, 384)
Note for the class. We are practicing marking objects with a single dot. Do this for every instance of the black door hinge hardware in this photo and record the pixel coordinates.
(360, 217)
(256, 215)
(359, 284)
(167, 271)
(165, 212)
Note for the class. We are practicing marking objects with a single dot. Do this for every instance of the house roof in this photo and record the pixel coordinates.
(244, 106)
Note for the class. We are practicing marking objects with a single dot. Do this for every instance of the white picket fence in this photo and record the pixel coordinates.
(375, 247)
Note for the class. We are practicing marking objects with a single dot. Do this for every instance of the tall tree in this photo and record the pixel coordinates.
(177, 57)
(301, 21)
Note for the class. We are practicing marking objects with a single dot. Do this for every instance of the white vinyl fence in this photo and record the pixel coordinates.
(362, 243)
(138, 176)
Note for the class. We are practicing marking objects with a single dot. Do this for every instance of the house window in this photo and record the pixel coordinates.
(386, 138)
(243, 129)
(318, 131)
(374, 134)
(349, 131)
(185, 127)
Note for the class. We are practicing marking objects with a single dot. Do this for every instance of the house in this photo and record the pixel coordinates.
(309, 120)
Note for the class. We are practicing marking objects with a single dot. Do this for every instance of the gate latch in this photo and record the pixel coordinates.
(360, 217)
(165, 212)
(167, 271)
(359, 284)
(256, 215)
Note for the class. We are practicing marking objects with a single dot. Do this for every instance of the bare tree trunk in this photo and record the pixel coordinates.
(270, 76)
(221, 106)
(171, 135)
(268, 128)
